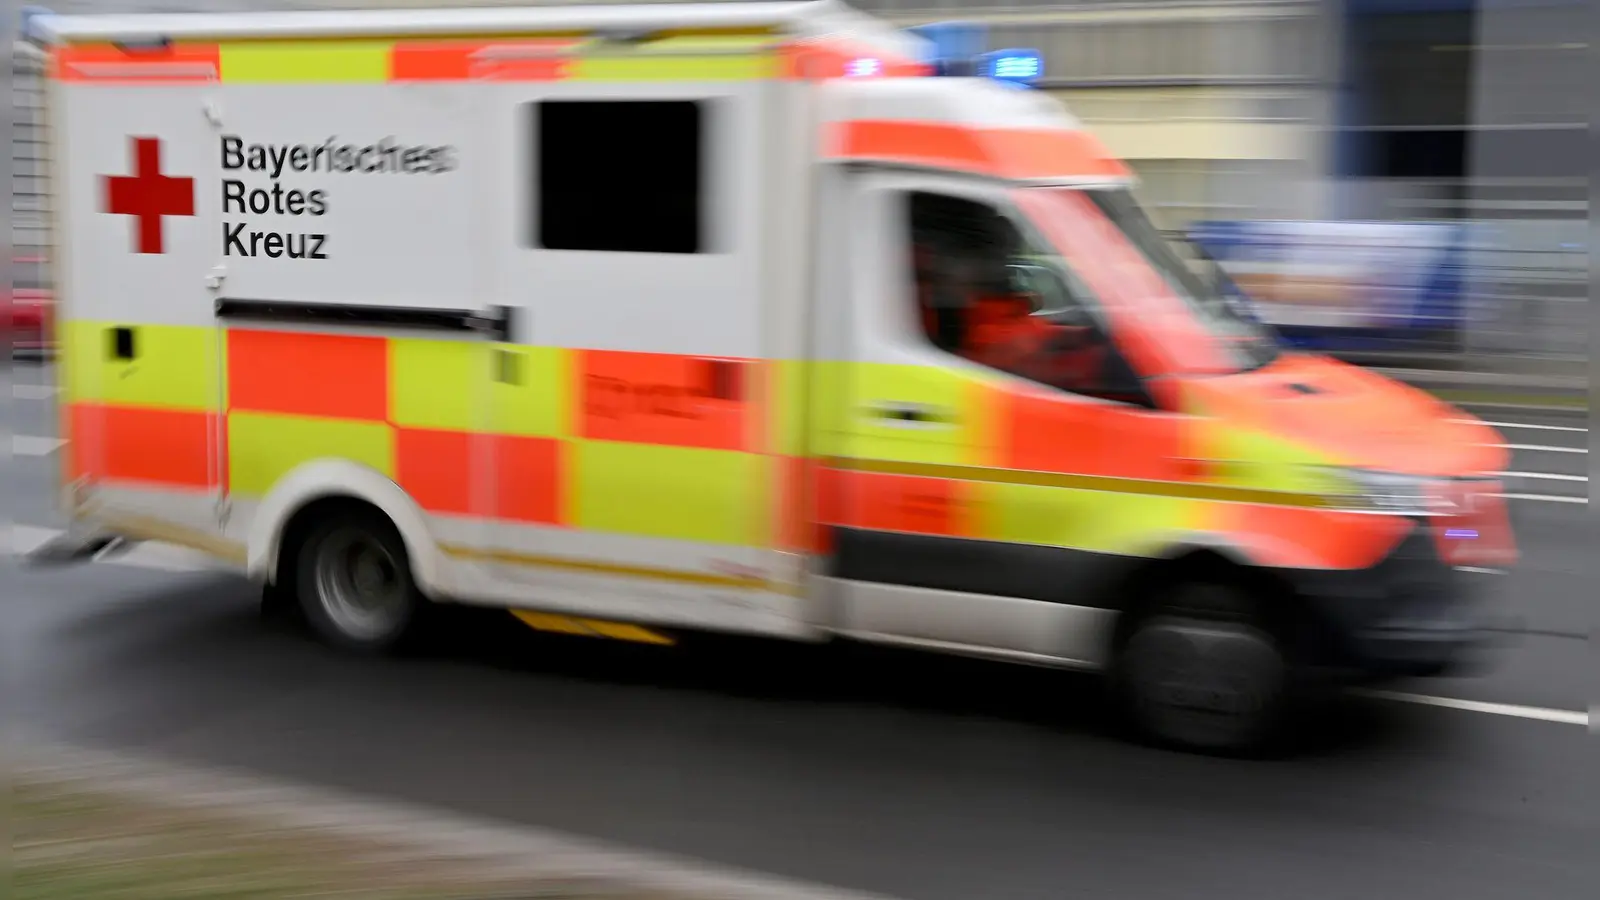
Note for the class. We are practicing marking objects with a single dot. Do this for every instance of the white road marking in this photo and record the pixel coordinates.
(1543, 449)
(1480, 570)
(27, 445)
(1544, 476)
(1543, 498)
(1525, 425)
(34, 391)
(24, 539)
(1540, 713)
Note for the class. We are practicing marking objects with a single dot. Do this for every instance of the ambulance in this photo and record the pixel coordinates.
(640, 320)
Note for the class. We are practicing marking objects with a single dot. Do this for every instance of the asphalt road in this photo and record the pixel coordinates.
(912, 776)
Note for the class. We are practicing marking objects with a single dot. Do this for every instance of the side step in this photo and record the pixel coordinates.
(72, 547)
(595, 628)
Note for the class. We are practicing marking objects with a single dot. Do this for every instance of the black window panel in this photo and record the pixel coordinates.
(625, 176)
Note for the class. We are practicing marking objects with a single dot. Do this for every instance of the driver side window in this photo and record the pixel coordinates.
(988, 291)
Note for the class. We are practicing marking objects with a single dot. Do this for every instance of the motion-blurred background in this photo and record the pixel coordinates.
(1403, 182)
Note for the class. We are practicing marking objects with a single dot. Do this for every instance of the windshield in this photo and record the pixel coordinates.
(1252, 344)
(1166, 315)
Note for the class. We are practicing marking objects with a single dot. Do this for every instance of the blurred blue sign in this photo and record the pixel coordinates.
(1346, 285)
(1016, 65)
(956, 45)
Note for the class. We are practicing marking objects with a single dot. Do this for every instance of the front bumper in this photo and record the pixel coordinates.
(1412, 614)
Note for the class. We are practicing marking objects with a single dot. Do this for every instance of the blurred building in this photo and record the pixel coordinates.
(1477, 110)
(1382, 109)
(1221, 106)
(1462, 108)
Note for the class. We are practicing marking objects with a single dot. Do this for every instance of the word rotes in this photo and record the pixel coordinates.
(276, 161)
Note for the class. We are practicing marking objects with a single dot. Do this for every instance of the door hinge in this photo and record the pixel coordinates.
(211, 108)
(224, 512)
(215, 277)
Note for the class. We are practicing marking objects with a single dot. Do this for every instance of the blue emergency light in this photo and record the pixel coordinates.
(863, 67)
(29, 31)
(1015, 65)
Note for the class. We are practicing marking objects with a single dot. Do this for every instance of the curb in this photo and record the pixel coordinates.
(515, 851)
(1574, 403)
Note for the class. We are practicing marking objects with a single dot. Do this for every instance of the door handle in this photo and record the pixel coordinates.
(912, 415)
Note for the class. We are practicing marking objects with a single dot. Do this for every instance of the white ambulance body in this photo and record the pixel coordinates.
(614, 317)
(226, 183)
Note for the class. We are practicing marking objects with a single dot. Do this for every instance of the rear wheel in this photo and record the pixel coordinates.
(354, 581)
(1205, 670)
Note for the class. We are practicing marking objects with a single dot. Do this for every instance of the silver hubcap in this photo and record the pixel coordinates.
(1205, 683)
(359, 585)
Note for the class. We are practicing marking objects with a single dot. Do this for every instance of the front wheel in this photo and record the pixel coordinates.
(355, 585)
(1205, 674)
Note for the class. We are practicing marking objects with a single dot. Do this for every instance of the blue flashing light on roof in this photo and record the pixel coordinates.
(863, 67)
(28, 31)
(1016, 65)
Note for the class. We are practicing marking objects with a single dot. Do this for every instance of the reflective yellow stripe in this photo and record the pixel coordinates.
(173, 366)
(715, 496)
(263, 447)
(1102, 483)
(592, 567)
(283, 62)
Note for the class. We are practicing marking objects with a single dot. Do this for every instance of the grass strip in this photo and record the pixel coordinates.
(75, 841)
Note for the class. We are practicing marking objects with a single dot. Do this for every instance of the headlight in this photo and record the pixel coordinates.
(1392, 494)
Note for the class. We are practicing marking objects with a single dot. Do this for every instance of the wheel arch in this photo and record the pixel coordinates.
(1200, 557)
(336, 480)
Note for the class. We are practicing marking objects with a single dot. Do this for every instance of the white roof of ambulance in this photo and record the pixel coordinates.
(808, 18)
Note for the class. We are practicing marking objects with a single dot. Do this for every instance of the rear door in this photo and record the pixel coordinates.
(137, 195)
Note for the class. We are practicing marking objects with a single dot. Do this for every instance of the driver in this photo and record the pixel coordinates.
(1004, 333)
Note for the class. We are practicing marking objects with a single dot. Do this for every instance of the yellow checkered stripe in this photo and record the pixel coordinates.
(433, 414)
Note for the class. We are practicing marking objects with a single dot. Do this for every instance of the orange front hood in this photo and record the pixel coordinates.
(1361, 418)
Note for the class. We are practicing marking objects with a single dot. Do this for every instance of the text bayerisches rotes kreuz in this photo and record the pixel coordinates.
(246, 165)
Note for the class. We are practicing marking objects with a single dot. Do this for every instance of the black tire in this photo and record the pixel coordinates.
(353, 577)
(1203, 670)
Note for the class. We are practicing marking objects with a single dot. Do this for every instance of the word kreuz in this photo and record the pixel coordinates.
(271, 244)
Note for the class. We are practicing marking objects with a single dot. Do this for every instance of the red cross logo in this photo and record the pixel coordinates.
(148, 195)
